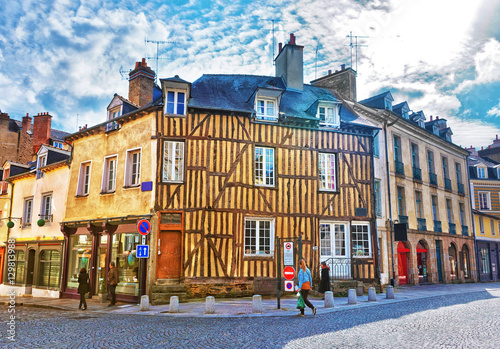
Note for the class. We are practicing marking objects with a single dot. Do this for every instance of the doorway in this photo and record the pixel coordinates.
(403, 257)
(422, 262)
(438, 260)
(452, 252)
(169, 255)
(31, 267)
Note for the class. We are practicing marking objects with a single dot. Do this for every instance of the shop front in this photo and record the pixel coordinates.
(93, 247)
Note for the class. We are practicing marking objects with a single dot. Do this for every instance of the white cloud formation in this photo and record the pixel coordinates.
(495, 111)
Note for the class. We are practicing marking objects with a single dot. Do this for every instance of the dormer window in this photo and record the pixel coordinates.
(267, 108)
(328, 114)
(498, 173)
(421, 123)
(176, 102)
(41, 162)
(406, 114)
(481, 172)
(388, 104)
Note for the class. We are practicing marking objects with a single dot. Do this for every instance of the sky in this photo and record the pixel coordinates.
(69, 57)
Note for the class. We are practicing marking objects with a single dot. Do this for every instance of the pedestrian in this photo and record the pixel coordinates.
(305, 283)
(83, 287)
(112, 282)
(325, 279)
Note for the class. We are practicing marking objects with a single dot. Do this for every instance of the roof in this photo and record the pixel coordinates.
(378, 101)
(58, 135)
(175, 79)
(473, 160)
(124, 100)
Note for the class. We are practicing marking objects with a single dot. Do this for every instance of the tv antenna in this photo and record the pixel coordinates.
(156, 57)
(355, 44)
(316, 61)
(124, 73)
(274, 30)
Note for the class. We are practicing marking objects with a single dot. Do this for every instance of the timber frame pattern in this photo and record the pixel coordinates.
(218, 191)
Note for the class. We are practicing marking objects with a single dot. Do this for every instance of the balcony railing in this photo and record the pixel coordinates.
(348, 269)
(465, 230)
(403, 219)
(421, 224)
(417, 173)
(113, 125)
(46, 217)
(461, 189)
(400, 167)
(447, 184)
(437, 227)
(453, 228)
(433, 179)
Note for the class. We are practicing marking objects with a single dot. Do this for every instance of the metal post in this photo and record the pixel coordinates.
(300, 246)
(278, 260)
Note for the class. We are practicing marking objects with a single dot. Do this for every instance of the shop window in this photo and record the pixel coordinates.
(19, 267)
(259, 237)
(485, 260)
(123, 253)
(50, 266)
(80, 251)
(361, 246)
(333, 240)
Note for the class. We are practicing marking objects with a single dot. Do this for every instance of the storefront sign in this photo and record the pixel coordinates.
(142, 251)
(288, 253)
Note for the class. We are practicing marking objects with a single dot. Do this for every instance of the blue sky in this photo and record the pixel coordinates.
(442, 56)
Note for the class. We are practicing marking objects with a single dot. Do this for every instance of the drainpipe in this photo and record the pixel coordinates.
(476, 247)
(10, 208)
(376, 230)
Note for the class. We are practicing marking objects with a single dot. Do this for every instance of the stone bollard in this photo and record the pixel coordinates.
(174, 305)
(144, 303)
(372, 295)
(329, 301)
(351, 296)
(257, 304)
(389, 292)
(210, 305)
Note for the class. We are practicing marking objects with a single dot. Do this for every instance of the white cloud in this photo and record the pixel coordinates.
(495, 111)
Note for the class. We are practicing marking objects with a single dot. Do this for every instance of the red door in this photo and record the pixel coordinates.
(169, 258)
(403, 263)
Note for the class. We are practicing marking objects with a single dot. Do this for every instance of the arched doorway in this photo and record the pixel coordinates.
(422, 262)
(403, 257)
(452, 252)
(466, 261)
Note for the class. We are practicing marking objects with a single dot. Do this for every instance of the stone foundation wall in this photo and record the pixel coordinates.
(220, 288)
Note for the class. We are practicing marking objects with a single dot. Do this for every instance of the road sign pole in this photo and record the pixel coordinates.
(278, 259)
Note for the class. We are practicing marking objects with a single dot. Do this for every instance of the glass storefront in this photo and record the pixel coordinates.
(101, 264)
(19, 277)
(80, 247)
(123, 253)
(50, 265)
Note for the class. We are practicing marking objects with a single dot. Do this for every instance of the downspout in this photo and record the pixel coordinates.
(374, 203)
(476, 247)
(10, 209)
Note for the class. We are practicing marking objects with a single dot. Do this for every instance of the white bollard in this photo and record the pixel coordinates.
(174, 305)
(351, 296)
(329, 300)
(389, 292)
(144, 303)
(257, 304)
(210, 305)
(372, 295)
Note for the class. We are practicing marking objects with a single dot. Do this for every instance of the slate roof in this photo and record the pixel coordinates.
(378, 101)
(176, 79)
(54, 134)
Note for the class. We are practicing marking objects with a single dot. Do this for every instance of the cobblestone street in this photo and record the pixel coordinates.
(469, 320)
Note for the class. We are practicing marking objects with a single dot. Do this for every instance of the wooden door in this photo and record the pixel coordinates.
(31, 267)
(169, 258)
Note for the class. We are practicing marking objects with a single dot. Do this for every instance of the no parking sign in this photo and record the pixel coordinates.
(289, 285)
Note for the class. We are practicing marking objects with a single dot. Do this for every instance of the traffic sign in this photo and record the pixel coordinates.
(289, 273)
(289, 285)
(143, 227)
(142, 251)
(288, 253)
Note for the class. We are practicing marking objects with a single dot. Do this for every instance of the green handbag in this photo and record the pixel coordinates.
(300, 303)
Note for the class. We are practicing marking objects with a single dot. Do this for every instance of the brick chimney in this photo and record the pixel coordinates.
(289, 64)
(141, 84)
(343, 82)
(27, 123)
(41, 130)
(472, 150)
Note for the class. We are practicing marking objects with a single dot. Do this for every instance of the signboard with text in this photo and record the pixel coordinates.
(288, 253)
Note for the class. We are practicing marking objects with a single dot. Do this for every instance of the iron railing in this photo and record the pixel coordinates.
(437, 227)
(351, 268)
(453, 228)
(447, 184)
(421, 224)
(113, 125)
(465, 230)
(417, 173)
(433, 179)
(400, 167)
(461, 189)
(403, 219)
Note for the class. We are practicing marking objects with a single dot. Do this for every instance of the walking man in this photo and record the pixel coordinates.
(112, 282)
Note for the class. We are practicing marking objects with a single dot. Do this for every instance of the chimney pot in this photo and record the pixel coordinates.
(292, 39)
(342, 66)
(497, 137)
(329, 71)
(437, 117)
(280, 47)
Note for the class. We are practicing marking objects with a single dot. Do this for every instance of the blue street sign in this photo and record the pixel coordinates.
(142, 251)
(143, 227)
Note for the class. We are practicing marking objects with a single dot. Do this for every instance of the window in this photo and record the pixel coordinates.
(445, 167)
(434, 207)
(19, 268)
(405, 114)
(50, 265)
(378, 198)
(481, 172)
(83, 179)
(397, 149)
(28, 211)
(485, 260)
(484, 200)
(430, 161)
(266, 109)
(499, 227)
(173, 161)
(449, 211)
(264, 166)
(462, 216)
(401, 201)
(42, 161)
(133, 168)
(376, 146)
(259, 237)
(109, 176)
(46, 211)
(328, 115)
(388, 104)
(414, 156)
(336, 244)
(57, 144)
(327, 177)
(361, 246)
(481, 225)
(492, 227)
(418, 204)
(176, 102)
(458, 172)
(116, 114)
(498, 173)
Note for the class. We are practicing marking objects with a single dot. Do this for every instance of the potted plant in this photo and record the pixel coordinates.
(102, 292)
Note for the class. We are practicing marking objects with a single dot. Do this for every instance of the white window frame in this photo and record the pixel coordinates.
(106, 174)
(80, 188)
(481, 225)
(28, 211)
(327, 182)
(492, 227)
(331, 242)
(129, 165)
(57, 144)
(258, 252)
(367, 224)
(482, 173)
(265, 115)
(268, 161)
(487, 200)
(331, 114)
(44, 213)
(41, 161)
(170, 164)
(176, 101)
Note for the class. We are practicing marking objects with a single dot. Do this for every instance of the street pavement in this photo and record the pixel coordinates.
(432, 316)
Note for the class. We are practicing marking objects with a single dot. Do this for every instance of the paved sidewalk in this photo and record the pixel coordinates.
(242, 307)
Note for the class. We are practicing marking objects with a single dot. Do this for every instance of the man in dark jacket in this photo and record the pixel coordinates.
(112, 282)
